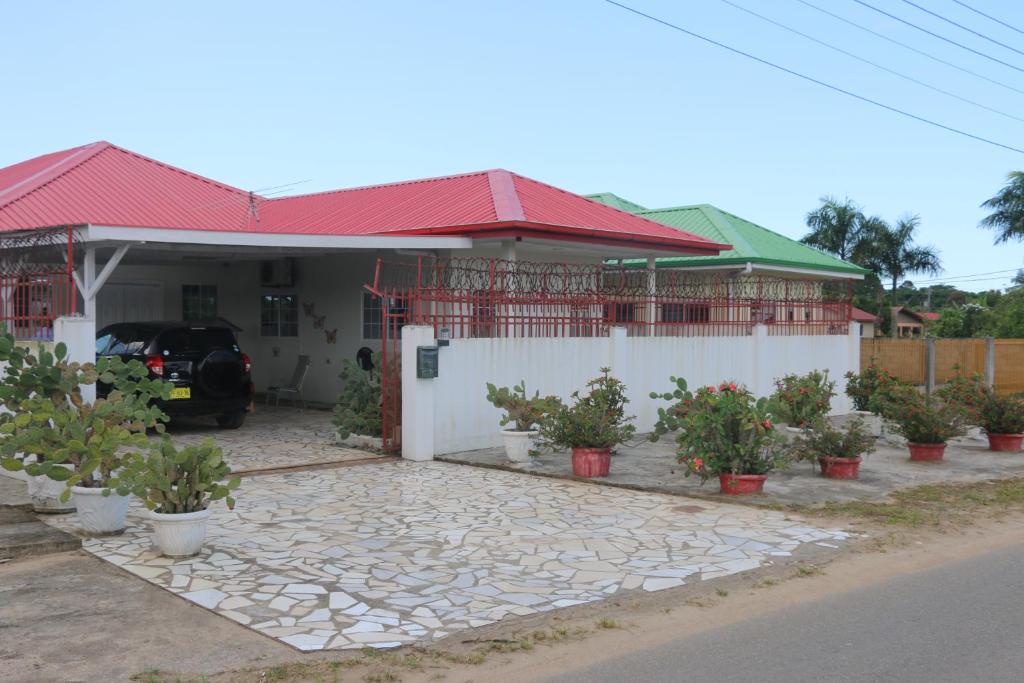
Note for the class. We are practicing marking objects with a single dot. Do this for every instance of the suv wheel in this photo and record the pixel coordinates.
(231, 420)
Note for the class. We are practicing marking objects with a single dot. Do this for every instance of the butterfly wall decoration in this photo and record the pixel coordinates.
(309, 308)
(318, 322)
(332, 335)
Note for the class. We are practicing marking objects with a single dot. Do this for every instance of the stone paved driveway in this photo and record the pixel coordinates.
(272, 438)
(389, 553)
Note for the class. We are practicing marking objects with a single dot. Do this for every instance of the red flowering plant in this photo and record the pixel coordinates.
(968, 392)
(868, 388)
(726, 430)
(801, 400)
(923, 419)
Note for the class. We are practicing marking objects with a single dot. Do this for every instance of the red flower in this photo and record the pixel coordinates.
(732, 386)
(767, 424)
(711, 390)
(698, 463)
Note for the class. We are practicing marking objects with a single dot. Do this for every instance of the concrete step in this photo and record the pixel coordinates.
(22, 534)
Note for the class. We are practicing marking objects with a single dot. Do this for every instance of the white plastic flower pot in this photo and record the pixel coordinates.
(99, 514)
(45, 495)
(180, 535)
(518, 444)
(872, 422)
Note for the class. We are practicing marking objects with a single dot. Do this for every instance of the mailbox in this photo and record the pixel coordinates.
(426, 362)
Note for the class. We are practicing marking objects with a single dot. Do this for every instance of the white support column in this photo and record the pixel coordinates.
(853, 366)
(652, 290)
(417, 397)
(763, 374)
(87, 280)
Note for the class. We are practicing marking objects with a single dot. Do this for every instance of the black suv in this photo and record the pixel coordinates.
(210, 374)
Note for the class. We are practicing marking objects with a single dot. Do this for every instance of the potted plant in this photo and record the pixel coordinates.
(591, 426)
(866, 390)
(84, 445)
(177, 487)
(926, 422)
(967, 392)
(800, 400)
(524, 413)
(726, 432)
(1002, 418)
(838, 452)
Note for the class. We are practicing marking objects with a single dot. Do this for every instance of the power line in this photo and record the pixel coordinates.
(961, 26)
(874, 64)
(987, 16)
(911, 47)
(939, 36)
(815, 80)
(971, 275)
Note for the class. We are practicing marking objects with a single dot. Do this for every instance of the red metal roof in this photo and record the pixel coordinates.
(863, 316)
(102, 184)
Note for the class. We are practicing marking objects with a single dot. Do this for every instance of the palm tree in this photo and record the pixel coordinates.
(893, 254)
(837, 227)
(1007, 217)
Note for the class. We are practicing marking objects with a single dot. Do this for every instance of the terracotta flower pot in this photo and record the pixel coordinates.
(839, 468)
(739, 484)
(591, 462)
(926, 452)
(1005, 443)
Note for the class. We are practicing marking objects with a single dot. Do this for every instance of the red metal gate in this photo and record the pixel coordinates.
(490, 298)
(36, 282)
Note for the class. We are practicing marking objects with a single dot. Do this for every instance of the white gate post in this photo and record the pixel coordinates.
(417, 397)
(79, 335)
(763, 366)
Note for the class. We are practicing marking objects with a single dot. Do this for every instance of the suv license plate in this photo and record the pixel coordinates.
(181, 392)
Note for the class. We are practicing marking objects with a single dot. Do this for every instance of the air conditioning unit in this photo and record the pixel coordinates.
(279, 273)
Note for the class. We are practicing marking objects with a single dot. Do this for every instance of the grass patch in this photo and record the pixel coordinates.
(607, 622)
(806, 570)
(721, 592)
(933, 505)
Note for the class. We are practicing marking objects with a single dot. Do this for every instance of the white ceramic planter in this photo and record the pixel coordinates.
(180, 535)
(518, 444)
(872, 422)
(45, 495)
(99, 514)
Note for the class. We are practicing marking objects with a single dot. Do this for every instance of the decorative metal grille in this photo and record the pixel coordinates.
(36, 283)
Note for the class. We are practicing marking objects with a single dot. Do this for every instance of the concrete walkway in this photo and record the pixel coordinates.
(391, 553)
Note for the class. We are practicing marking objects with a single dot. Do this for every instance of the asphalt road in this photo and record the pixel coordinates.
(962, 622)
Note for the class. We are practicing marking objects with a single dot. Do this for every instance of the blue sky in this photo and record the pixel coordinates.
(576, 93)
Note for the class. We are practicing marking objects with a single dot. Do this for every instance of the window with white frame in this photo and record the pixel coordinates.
(279, 315)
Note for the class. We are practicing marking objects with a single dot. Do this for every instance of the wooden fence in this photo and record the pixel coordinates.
(911, 361)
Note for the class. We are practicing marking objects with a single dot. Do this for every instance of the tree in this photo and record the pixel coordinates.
(837, 227)
(1007, 217)
(893, 253)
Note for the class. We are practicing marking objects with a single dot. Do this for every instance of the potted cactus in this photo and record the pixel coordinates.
(82, 445)
(838, 452)
(1002, 418)
(726, 432)
(591, 426)
(177, 487)
(524, 413)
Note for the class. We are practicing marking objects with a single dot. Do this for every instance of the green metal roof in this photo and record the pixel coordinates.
(617, 202)
(751, 243)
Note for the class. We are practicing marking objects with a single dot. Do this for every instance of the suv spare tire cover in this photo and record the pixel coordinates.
(220, 373)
